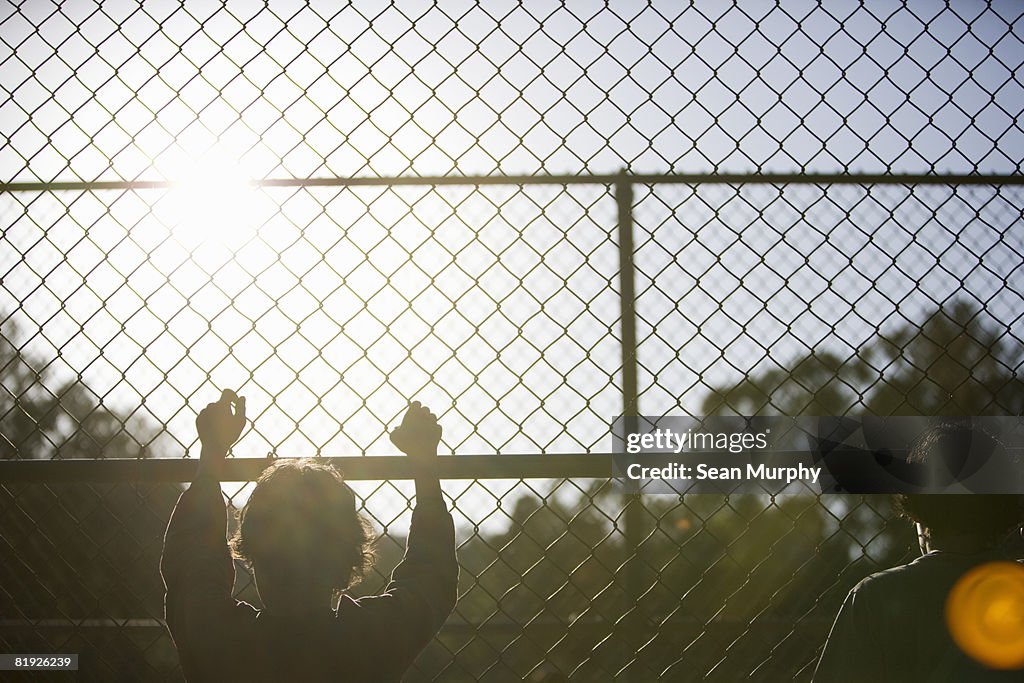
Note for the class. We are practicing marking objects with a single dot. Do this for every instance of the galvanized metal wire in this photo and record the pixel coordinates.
(532, 219)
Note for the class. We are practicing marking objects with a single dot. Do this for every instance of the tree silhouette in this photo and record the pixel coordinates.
(959, 362)
(730, 586)
(956, 363)
(77, 551)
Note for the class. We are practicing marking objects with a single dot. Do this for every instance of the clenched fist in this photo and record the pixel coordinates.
(218, 426)
(419, 434)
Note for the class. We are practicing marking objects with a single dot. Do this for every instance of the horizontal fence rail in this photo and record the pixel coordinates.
(583, 466)
(576, 179)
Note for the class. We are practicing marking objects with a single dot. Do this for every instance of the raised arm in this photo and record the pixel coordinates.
(418, 437)
(424, 586)
(429, 564)
(196, 565)
(218, 429)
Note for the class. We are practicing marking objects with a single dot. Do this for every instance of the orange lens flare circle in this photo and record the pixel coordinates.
(985, 614)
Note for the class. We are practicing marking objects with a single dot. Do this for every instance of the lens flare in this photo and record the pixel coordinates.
(985, 614)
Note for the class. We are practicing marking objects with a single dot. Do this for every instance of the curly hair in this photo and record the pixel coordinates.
(960, 448)
(303, 513)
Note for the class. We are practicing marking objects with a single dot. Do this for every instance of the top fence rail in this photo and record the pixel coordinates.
(574, 179)
(531, 309)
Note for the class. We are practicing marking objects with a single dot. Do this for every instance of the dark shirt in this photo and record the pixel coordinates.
(892, 626)
(367, 639)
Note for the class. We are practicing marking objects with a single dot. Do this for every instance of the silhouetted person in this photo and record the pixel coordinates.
(305, 542)
(893, 624)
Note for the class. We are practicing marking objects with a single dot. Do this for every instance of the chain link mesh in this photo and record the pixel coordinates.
(115, 91)
(125, 308)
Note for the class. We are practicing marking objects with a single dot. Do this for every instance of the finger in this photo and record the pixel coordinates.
(240, 407)
(415, 404)
(227, 396)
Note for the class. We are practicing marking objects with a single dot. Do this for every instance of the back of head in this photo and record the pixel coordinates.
(958, 450)
(300, 525)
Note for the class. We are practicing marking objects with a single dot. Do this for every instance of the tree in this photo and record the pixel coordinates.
(957, 362)
(78, 550)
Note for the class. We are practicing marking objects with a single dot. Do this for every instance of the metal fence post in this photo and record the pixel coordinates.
(631, 569)
(627, 297)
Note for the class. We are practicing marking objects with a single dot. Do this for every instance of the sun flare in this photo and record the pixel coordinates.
(212, 202)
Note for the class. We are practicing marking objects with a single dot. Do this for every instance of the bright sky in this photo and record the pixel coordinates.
(301, 298)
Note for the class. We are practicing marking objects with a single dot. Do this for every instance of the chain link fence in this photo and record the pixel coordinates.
(651, 226)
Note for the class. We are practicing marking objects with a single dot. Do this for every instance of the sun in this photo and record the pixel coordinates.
(212, 203)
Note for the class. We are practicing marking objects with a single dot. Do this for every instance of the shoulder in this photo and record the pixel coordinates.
(925, 580)
(935, 566)
(244, 610)
(892, 592)
(363, 608)
(233, 613)
(887, 580)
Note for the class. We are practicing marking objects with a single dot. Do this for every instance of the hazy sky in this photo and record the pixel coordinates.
(300, 91)
(302, 295)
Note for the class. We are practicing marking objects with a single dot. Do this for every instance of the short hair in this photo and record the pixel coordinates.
(303, 513)
(960, 447)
